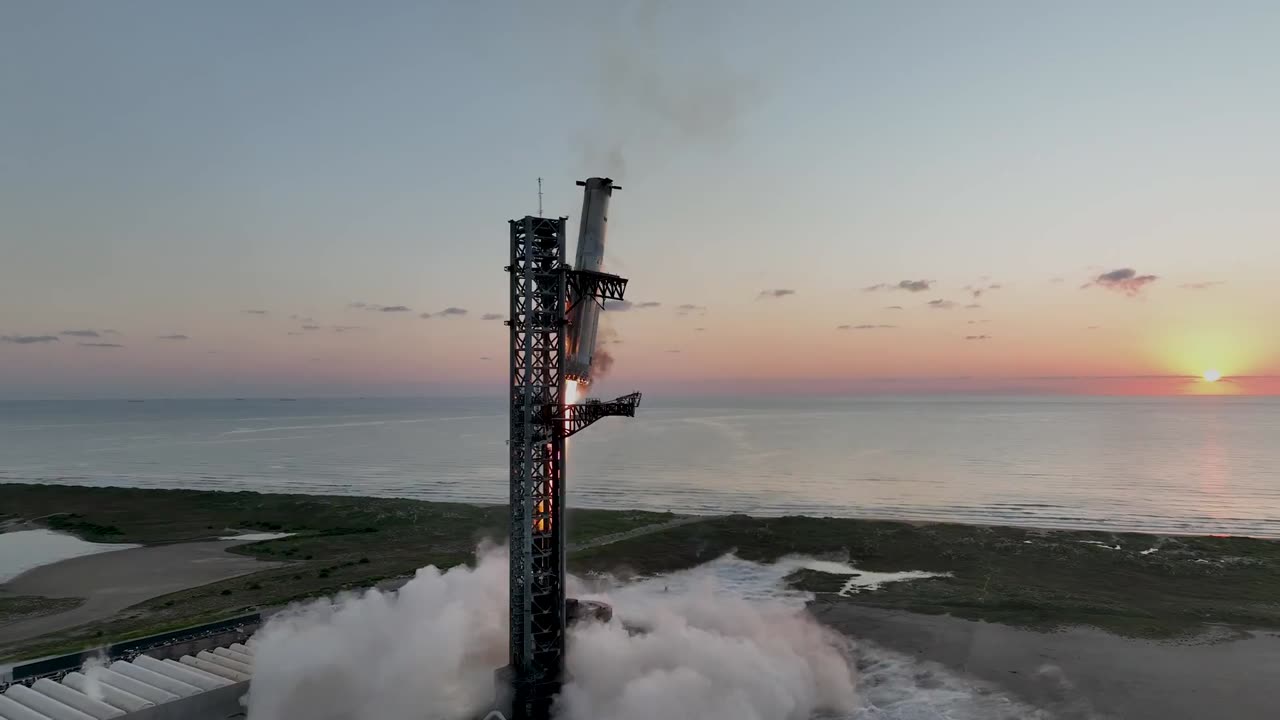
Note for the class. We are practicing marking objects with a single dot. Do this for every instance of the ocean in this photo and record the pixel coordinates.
(1170, 465)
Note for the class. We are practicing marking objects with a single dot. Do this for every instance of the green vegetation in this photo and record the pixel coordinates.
(341, 543)
(1037, 578)
(24, 607)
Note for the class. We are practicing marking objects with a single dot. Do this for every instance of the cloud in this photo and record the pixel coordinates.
(491, 316)
(28, 339)
(1202, 285)
(699, 329)
(893, 307)
(301, 318)
(254, 312)
(101, 345)
(648, 304)
(779, 293)
(346, 328)
(293, 333)
(1057, 279)
(908, 285)
(941, 304)
(1124, 280)
(394, 308)
(1093, 327)
(80, 333)
(357, 305)
(973, 306)
(310, 327)
(425, 316)
(673, 351)
(452, 311)
(484, 357)
(175, 336)
(618, 305)
(977, 337)
(687, 308)
(977, 290)
(865, 327)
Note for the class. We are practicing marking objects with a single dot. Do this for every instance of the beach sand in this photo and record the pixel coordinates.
(110, 582)
(1083, 673)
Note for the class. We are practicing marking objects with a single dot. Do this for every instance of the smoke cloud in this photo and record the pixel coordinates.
(653, 99)
(437, 642)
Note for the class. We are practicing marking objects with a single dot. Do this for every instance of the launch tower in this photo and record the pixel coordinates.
(545, 294)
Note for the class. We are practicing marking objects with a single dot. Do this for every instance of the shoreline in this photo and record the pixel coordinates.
(1084, 526)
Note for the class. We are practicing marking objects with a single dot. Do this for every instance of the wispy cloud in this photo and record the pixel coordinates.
(452, 312)
(175, 336)
(618, 305)
(976, 291)
(28, 339)
(893, 307)
(80, 333)
(301, 318)
(1202, 285)
(357, 305)
(310, 327)
(394, 308)
(908, 285)
(254, 312)
(941, 304)
(699, 329)
(345, 328)
(491, 316)
(778, 293)
(977, 337)
(866, 326)
(688, 308)
(973, 306)
(425, 316)
(100, 345)
(291, 332)
(648, 304)
(1126, 281)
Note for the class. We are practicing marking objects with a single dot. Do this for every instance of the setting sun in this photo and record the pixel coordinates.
(1212, 376)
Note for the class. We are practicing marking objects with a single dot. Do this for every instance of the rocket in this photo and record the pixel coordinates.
(584, 317)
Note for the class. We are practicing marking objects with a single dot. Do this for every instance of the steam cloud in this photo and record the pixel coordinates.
(437, 643)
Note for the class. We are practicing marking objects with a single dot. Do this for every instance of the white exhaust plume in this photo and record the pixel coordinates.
(432, 650)
(688, 646)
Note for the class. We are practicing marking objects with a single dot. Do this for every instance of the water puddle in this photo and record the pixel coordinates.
(28, 549)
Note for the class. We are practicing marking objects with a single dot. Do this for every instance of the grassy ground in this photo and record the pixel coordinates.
(23, 607)
(1038, 578)
(341, 543)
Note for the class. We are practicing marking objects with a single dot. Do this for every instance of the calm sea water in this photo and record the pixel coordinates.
(1186, 465)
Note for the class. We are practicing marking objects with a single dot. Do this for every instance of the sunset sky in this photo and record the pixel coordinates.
(221, 199)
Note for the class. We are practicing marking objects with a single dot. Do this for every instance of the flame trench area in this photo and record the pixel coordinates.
(547, 315)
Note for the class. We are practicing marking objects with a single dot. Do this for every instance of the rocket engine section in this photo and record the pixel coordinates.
(584, 317)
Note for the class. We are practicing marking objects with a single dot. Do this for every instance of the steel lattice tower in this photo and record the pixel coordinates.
(543, 291)
(537, 463)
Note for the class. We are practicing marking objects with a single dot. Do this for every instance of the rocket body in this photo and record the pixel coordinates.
(584, 317)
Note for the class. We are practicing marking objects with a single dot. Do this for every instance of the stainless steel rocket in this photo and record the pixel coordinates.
(584, 317)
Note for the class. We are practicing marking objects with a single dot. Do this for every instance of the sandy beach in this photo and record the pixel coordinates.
(1082, 673)
(110, 582)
